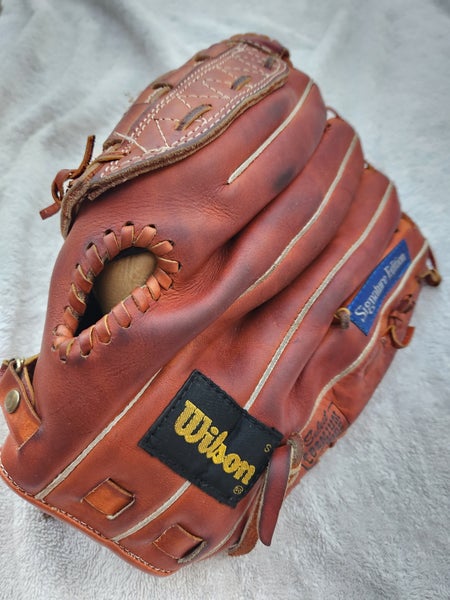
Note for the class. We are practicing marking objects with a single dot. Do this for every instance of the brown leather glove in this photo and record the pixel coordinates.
(233, 285)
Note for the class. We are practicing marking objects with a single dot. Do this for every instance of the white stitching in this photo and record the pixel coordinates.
(94, 531)
(164, 139)
(213, 119)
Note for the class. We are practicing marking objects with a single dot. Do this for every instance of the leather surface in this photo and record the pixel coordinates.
(260, 233)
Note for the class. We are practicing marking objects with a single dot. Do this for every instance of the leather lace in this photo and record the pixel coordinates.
(65, 177)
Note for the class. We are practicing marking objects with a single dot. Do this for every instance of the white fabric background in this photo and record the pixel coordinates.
(372, 519)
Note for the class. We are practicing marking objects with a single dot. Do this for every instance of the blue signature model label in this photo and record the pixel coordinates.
(366, 304)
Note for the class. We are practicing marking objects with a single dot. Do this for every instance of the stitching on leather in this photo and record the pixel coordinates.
(207, 84)
(237, 53)
(160, 131)
(195, 75)
(94, 259)
(53, 509)
(182, 99)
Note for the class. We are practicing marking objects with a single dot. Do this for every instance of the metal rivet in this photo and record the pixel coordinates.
(12, 401)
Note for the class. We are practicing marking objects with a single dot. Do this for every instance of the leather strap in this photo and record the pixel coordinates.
(17, 399)
(281, 472)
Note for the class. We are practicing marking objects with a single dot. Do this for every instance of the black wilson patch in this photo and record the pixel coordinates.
(206, 437)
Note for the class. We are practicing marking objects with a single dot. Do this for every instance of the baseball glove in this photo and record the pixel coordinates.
(234, 282)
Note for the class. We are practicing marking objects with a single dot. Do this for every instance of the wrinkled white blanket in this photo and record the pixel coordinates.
(371, 521)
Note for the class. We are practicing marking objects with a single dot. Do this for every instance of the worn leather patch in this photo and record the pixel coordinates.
(329, 423)
(206, 437)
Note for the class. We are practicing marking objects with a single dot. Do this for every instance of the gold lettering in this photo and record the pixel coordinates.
(218, 456)
(194, 426)
(244, 472)
(207, 439)
(217, 442)
(187, 424)
(231, 463)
